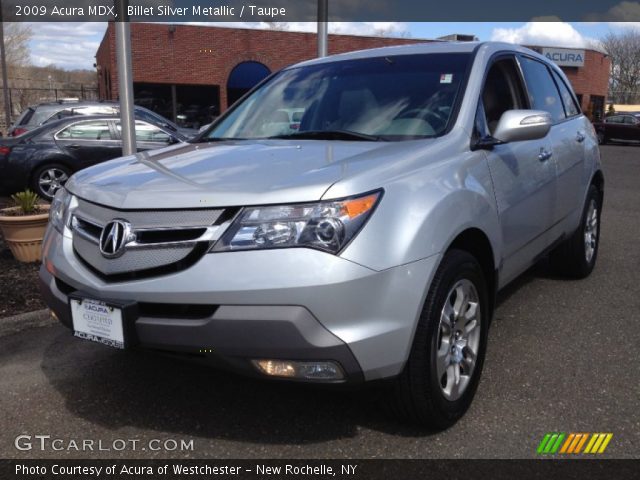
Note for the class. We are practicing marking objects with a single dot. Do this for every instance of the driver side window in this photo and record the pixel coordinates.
(502, 91)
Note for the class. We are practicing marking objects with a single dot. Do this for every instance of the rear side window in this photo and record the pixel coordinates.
(570, 106)
(613, 120)
(95, 130)
(543, 94)
(25, 117)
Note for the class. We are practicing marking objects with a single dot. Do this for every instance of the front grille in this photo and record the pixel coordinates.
(130, 261)
(100, 215)
(162, 241)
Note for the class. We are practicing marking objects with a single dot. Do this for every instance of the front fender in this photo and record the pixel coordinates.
(422, 212)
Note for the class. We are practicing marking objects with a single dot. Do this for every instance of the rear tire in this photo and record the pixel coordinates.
(442, 373)
(576, 257)
(47, 179)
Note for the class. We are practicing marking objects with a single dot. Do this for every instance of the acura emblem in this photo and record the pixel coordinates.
(114, 238)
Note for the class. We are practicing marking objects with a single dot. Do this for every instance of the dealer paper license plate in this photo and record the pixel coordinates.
(95, 320)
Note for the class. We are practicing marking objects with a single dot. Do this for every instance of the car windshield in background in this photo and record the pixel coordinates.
(383, 98)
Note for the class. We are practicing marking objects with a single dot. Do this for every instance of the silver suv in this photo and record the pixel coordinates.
(365, 240)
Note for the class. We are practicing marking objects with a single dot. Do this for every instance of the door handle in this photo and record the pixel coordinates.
(73, 145)
(580, 137)
(544, 155)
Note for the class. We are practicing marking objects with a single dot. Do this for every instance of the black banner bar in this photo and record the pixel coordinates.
(173, 11)
(591, 469)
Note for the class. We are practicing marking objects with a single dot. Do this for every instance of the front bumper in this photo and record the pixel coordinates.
(290, 304)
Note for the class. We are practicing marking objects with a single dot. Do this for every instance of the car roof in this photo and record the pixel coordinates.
(422, 48)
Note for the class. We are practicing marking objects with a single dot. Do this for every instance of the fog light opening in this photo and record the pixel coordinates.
(321, 370)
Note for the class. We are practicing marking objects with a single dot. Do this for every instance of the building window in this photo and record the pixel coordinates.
(187, 105)
(243, 78)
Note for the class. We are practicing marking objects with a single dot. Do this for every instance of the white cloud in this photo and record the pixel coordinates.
(67, 45)
(74, 45)
(546, 34)
(344, 28)
(632, 25)
(355, 28)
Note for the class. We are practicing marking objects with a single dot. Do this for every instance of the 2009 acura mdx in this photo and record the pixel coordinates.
(364, 241)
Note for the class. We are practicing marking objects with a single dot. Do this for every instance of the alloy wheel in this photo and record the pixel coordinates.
(458, 339)
(51, 180)
(591, 231)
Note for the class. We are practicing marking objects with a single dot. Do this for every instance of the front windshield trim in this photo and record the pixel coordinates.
(451, 121)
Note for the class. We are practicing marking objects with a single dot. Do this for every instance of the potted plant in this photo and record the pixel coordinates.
(23, 226)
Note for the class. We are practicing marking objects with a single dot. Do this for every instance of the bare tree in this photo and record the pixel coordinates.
(16, 41)
(624, 50)
(16, 50)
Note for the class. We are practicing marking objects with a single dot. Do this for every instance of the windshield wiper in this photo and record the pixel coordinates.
(329, 135)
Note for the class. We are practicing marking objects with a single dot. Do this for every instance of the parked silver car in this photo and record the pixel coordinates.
(366, 241)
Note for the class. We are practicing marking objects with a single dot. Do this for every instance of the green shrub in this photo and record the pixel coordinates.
(26, 201)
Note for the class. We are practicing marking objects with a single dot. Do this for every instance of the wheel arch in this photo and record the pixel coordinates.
(46, 162)
(598, 181)
(476, 242)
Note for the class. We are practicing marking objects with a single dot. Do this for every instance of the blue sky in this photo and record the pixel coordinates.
(73, 45)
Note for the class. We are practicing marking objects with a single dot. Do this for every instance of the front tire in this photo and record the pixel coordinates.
(441, 376)
(576, 257)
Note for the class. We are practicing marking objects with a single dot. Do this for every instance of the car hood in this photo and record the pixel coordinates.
(227, 173)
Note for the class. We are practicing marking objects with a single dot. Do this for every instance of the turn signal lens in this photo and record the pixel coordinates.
(358, 206)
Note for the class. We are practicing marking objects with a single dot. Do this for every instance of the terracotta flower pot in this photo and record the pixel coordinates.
(24, 233)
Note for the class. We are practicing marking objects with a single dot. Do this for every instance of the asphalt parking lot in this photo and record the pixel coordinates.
(562, 357)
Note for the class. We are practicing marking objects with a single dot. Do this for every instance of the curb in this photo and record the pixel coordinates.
(24, 321)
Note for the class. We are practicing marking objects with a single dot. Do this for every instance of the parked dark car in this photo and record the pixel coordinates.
(43, 113)
(623, 127)
(44, 158)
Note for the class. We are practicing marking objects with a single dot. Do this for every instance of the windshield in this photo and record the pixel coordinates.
(155, 118)
(384, 98)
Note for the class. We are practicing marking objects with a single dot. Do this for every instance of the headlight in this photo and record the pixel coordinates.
(327, 225)
(58, 212)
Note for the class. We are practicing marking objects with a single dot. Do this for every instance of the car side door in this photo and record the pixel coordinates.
(613, 126)
(569, 138)
(148, 136)
(88, 142)
(523, 172)
(630, 128)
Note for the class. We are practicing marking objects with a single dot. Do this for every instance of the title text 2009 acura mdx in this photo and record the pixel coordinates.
(366, 240)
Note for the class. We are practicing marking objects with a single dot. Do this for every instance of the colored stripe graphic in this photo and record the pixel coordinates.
(573, 443)
(598, 443)
(581, 443)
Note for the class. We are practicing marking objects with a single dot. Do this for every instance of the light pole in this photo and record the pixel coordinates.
(125, 78)
(323, 30)
(50, 87)
(5, 82)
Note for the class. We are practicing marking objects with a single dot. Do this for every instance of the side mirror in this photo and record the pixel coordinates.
(519, 125)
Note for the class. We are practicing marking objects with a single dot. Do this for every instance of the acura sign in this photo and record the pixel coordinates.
(565, 57)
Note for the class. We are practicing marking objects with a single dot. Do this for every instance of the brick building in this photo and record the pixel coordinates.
(192, 73)
(175, 67)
